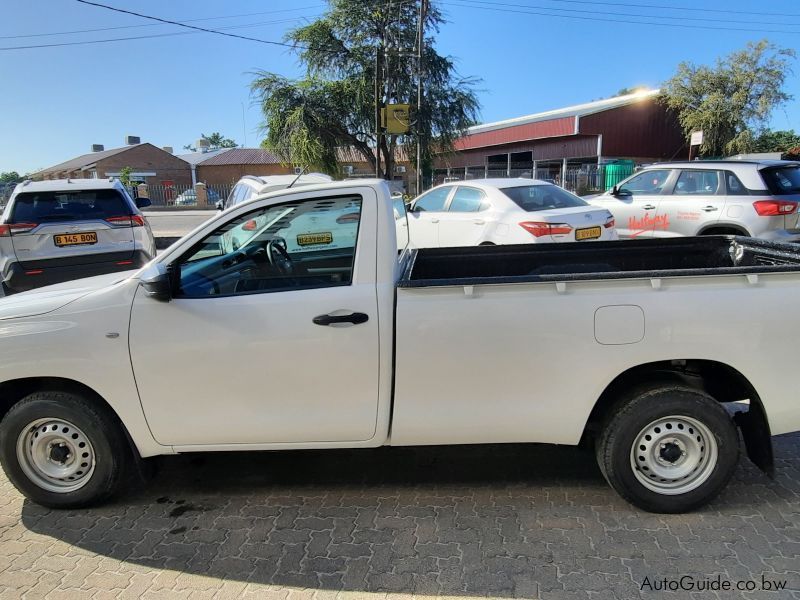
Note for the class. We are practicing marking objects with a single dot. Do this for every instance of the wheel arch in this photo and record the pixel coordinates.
(14, 390)
(721, 381)
(723, 229)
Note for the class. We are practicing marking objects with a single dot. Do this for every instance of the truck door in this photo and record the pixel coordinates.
(424, 217)
(273, 341)
(697, 201)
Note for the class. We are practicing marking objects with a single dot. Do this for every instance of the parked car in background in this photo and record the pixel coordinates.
(250, 186)
(504, 211)
(740, 197)
(54, 231)
(189, 197)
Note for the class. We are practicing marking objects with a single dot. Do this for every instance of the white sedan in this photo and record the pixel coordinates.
(504, 211)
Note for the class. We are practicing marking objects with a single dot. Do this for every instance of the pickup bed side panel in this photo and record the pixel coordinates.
(522, 362)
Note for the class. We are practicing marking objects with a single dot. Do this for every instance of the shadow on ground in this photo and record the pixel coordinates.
(511, 520)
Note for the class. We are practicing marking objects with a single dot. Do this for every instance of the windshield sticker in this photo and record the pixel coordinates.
(314, 239)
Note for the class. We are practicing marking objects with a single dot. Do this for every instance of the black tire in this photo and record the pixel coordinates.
(624, 426)
(112, 455)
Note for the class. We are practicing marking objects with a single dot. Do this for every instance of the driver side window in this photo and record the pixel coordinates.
(305, 244)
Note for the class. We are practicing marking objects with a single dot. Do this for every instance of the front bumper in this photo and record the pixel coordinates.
(36, 274)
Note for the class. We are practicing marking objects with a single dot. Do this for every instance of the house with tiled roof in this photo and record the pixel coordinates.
(148, 163)
(225, 166)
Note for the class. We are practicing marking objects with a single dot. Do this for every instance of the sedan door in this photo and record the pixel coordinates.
(465, 221)
(424, 217)
(272, 342)
(697, 201)
(635, 204)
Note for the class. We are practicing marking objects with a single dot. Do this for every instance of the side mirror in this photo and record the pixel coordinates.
(157, 282)
(220, 205)
(143, 202)
(618, 192)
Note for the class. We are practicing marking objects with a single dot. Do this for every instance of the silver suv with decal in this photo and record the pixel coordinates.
(739, 197)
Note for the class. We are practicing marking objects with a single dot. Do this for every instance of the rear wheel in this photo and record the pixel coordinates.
(669, 449)
(63, 451)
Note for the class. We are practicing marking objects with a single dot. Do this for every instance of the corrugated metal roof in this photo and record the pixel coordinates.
(242, 156)
(577, 110)
(85, 160)
(195, 158)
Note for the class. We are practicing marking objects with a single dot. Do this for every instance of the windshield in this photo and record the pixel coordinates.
(38, 207)
(532, 198)
(783, 180)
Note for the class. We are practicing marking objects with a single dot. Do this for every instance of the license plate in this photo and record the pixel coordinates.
(311, 239)
(589, 233)
(75, 239)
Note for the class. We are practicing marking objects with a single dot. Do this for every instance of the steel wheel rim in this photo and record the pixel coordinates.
(674, 455)
(55, 455)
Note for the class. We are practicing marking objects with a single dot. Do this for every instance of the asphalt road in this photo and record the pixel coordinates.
(176, 223)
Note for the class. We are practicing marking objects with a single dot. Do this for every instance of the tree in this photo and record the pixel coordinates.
(730, 102)
(776, 141)
(125, 176)
(10, 177)
(353, 49)
(215, 141)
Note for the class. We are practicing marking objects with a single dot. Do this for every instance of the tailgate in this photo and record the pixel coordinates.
(81, 242)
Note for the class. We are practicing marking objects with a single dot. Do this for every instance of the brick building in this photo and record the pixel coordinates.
(226, 166)
(564, 143)
(149, 164)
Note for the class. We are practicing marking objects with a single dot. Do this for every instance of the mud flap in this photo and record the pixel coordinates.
(757, 437)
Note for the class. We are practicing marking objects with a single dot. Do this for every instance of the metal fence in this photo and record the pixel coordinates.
(580, 179)
(180, 195)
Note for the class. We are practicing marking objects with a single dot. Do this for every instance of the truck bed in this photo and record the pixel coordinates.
(666, 257)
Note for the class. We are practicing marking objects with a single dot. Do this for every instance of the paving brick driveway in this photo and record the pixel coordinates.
(500, 521)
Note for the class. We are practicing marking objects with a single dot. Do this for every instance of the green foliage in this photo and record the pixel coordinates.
(10, 177)
(215, 140)
(125, 176)
(333, 105)
(776, 141)
(732, 101)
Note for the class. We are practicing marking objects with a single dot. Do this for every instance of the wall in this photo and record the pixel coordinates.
(228, 174)
(148, 158)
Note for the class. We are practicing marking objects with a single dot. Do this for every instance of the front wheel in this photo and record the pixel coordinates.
(670, 449)
(62, 451)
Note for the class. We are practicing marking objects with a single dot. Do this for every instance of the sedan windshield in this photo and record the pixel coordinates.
(532, 198)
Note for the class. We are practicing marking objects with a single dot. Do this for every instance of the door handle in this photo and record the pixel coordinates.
(434, 220)
(709, 208)
(354, 318)
(479, 222)
(648, 207)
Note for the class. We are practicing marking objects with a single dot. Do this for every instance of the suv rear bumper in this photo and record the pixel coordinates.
(35, 274)
(781, 235)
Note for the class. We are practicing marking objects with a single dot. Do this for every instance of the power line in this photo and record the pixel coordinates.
(145, 37)
(712, 10)
(624, 14)
(466, 4)
(269, 12)
(195, 27)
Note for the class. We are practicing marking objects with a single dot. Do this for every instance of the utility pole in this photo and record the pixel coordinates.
(423, 8)
(377, 112)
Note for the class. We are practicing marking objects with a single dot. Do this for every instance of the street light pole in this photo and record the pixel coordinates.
(420, 41)
(377, 112)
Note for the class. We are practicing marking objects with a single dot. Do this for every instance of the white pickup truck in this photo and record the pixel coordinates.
(334, 339)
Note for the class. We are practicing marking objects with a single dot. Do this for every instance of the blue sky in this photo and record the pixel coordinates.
(56, 102)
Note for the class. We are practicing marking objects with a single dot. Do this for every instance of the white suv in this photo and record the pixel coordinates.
(54, 231)
(251, 186)
(739, 197)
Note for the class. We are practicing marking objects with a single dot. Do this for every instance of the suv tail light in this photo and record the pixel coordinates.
(774, 208)
(538, 229)
(12, 228)
(610, 222)
(126, 221)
